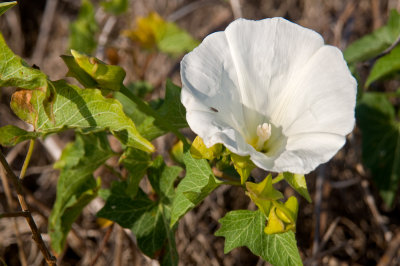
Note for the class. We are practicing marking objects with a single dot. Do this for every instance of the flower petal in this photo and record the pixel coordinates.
(302, 154)
(322, 97)
(266, 54)
(270, 71)
(210, 83)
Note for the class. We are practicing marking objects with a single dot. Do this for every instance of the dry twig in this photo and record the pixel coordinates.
(24, 206)
(44, 33)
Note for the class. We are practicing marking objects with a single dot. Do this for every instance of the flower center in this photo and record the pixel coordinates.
(263, 134)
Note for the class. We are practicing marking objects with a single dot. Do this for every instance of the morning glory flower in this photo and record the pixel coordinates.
(272, 90)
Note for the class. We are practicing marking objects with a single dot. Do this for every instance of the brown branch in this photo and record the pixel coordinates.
(13, 214)
(102, 245)
(391, 251)
(50, 259)
(10, 204)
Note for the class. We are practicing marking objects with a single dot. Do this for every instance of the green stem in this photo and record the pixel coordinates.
(277, 179)
(144, 107)
(27, 159)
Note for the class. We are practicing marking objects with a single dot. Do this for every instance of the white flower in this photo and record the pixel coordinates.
(270, 89)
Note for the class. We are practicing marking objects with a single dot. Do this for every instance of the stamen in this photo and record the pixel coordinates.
(263, 133)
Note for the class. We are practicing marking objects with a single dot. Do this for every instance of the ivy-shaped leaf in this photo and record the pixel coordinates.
(76, 186)
(136, 162)
(12, 135)
(5, 6)
(246, 228)
(82, 109)
(171, 116)
(198, 183)
(380, 142)
(83, 30)
(386, 65)
(149, 220)
(15, 72)
(91, 72)
(298, 183)
(372, 44)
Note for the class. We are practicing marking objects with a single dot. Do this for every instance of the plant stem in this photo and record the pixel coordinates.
(27, 159)
(13, 214)
(50, 259)
(277, 179)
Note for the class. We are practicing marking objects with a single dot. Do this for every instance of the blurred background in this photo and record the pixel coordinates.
(347, 224)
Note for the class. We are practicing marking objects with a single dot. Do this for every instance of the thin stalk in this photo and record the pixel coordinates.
(27, 159)
(50, 259)
(13, 214)
(277, 179)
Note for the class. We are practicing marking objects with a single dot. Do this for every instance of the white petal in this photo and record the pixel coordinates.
(213, 130)
(321, 99)
(266, 54)
(210, 83)
(302, 154)
(270, 71)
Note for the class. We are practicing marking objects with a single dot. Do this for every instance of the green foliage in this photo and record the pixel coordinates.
(154, 33)
(246, 228)
(198, 183)
(371, 45)
(386, 65)
(91, 72)
(153, 123)
(298, 183)
(5, 6)
(115, 7)
(12, 135)
(140, 88)
(15, 72)
(136, 162)
(76, 186)
(84, 110)
(380, 142)
(83, 30)
(175, 41)
(149, 220)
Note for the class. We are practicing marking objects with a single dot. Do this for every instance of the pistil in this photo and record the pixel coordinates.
(263, 133)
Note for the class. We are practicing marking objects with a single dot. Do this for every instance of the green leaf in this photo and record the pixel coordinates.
(136, 162)
(76, 186)
(298, 183)
(386, 65)
(82, 109)
(198, 183)
(199, 150)
(153, 123)
(104, 76)
(176, 41)
(263, 193)
(380, 142)
(83, 30)
(372, 44)
(246, 228)
(149, 220)
(140, 88)
(17, 73)
(115, 7)
(243, 165)
(5, 6)
(154, 32)
(12, 135)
